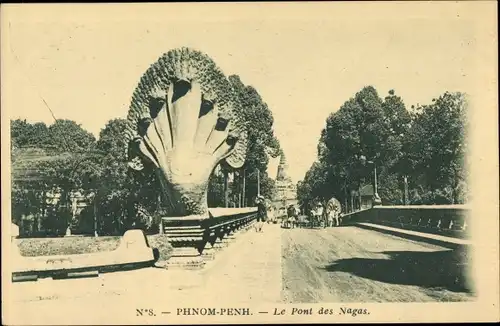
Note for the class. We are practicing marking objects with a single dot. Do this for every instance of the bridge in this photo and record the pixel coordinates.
(424, 258)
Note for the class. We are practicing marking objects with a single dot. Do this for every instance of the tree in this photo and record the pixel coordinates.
(24, 134)
(262, 142)
(216, 190)
(392, 173)
(52, 158)
(404, 147)
(304, 195)
(112, 188)
(436, 148)
(68, 136)
(356, 131)
(61, 136)
(316, 186)
(125, 198)
(365, 129)
(76, 163)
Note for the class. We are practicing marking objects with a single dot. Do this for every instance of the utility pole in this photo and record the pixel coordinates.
(258, 182)
(226, 193)
(244, 188)
(158, 210)
(405, 193)
(376, 197)
(95, 217)
(240, 197)
(240, 192)
(359, 202)
(345, 199)
(352, 201)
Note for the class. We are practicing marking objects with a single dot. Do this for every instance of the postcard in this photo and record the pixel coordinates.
(253, 162)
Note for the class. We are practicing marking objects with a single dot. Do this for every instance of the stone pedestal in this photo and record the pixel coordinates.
(209, 252)
(227, 241)
(229, 238)
(238, 230)
(220, 244)
(187, 237)
(184, 258)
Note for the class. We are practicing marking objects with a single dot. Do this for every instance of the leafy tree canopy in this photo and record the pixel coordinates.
(426, 146)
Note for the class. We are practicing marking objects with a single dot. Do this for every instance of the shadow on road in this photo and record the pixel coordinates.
(438, 269)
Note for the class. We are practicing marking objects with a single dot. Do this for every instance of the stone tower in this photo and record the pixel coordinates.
(286, 192)
(282, 167)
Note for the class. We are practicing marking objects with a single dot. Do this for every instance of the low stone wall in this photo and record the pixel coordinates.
(445, 220)
(133, 251)
(443, 225)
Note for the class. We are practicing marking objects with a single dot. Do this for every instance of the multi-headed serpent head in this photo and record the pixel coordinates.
(183, 121)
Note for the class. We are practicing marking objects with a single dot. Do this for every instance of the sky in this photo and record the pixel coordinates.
(304, 61)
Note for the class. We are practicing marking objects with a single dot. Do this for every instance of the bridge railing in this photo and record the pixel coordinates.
(446, 220)
(196, 239)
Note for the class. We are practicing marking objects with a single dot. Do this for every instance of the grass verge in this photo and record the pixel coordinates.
(34, 247)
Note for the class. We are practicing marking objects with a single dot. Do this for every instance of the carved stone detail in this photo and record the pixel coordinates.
(183, 121)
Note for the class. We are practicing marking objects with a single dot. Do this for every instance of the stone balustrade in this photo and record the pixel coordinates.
(443, 225)
(445, 220)
(195, 239)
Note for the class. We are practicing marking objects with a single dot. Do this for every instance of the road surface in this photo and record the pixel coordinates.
(346, 264)
(350, 264)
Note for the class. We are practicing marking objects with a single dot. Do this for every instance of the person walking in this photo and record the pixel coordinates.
(333, 210)
(291, 216)
(319, 214)
(271, 217)
(261, 213)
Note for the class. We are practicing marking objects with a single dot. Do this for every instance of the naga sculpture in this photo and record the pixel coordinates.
(183, 121)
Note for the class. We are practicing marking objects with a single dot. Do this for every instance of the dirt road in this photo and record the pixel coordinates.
(346, 264)
(350, 264)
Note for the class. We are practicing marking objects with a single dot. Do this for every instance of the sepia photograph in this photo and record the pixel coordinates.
(269, 162)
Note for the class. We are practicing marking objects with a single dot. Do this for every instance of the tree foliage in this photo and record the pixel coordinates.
(436, 148)
(125, 198)
(97, 170)
(426, 146)
(25, 134)
(262, 143)
(62, 135)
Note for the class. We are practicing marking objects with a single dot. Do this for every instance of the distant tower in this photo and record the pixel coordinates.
(281, 176)
(286, 192)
